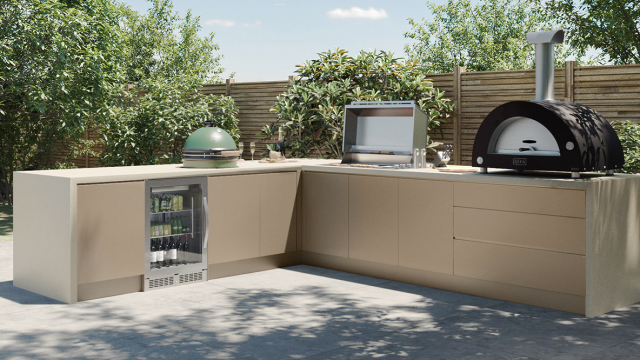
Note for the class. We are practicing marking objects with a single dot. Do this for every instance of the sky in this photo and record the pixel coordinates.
(265, 40)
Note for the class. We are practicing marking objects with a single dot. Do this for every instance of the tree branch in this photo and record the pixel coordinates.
(633, 25)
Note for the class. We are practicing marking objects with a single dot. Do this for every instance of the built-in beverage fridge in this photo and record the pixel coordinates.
(176, 233)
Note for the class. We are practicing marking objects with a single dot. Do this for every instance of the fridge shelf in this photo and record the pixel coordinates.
(161, 236)
(171, 212)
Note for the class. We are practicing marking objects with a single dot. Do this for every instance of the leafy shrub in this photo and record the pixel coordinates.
(155, 120)
(629, 134)
(311, 111)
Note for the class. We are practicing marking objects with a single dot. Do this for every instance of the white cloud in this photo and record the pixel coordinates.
(358, 13)
(224, 23)
(256, 24)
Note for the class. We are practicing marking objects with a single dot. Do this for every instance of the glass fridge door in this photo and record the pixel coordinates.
(177, 224)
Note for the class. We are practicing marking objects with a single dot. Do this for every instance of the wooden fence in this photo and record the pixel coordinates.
(613, 91)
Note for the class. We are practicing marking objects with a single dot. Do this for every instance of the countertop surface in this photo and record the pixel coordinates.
(497, 176)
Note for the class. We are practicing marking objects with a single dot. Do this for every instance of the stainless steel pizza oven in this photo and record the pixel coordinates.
(382, 132)
(546, 134)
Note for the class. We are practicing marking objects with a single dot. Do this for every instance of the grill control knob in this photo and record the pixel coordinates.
(480, 160)
(570, 145)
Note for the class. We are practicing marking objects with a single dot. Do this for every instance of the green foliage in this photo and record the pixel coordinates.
(162, 45)
(167, 63)
(629, 134)
(611, 26)
(311, 111)
(490, 35)
(155, 120)
(59, 66)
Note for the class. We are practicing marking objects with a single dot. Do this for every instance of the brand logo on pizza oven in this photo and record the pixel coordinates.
(520, 161)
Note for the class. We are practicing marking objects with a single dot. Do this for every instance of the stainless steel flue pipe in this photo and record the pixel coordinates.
(544, 41)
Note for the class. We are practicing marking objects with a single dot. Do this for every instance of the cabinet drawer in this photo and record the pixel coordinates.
(554, 233)
(538, 269)
(526, 199)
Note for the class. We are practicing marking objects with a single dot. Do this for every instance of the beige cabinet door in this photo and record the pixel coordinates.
(278, 213)
(373, 219)
(111, 230)
(325, 216)
(426, 225)
(234, 218)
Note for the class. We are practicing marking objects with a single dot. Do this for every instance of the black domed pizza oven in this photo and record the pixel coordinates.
(546, 134)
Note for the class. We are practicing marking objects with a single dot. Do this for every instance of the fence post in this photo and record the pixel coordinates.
(292, 78)
(457, 118)
(229, 82)
(86, 156)
(569, 67)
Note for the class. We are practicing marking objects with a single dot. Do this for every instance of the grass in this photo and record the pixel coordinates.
(6, 223)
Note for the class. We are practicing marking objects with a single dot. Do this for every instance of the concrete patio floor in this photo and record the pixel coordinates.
(302, 312)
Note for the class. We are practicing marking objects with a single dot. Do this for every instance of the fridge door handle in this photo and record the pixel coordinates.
(206, 221)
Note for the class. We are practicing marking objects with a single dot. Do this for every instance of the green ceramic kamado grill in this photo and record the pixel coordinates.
(210, 147)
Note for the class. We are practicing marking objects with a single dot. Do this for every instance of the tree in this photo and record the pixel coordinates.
(165, 62)
(486, 37)
(611, 26)
(162, 45)
(59, 68)
(311, 111)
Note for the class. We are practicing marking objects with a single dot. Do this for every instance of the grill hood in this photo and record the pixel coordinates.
(210, 147)
(546, 134)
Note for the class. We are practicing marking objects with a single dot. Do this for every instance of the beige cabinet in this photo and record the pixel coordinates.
(426, 225)
(373, 219)
(278, 213)
(534, 231)
(325, 214)
(110, 231)
(524, 199)
(234, 218)
(538, 269)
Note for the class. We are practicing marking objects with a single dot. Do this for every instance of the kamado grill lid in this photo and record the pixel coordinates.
(210, 147)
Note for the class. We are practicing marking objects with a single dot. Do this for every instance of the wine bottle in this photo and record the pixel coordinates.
(159, 254)
(152, 262)
(179, 250)
(185, 249)
(173, 253)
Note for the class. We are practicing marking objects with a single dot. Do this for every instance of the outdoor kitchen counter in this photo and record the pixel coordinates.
(539, 238)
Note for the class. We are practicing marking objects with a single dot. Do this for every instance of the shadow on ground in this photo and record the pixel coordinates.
(306, 312)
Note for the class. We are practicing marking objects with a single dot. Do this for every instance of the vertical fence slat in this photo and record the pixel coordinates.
(457, 126)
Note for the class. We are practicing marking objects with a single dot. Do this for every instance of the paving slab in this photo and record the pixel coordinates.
(422, 346)
(59, 329)
(628, 350)
(541, 336)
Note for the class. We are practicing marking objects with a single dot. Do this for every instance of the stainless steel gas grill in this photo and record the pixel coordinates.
(546, 134)
(383, 132)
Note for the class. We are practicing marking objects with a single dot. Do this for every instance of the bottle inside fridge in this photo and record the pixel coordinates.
(176, 231)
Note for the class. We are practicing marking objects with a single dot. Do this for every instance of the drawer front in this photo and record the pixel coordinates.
(544, 232)
(538, 269)
(526, 199)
